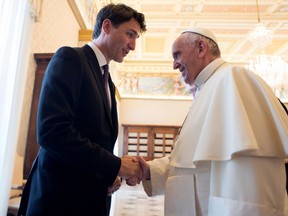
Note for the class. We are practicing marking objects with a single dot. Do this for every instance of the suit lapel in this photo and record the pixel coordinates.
(94, 65)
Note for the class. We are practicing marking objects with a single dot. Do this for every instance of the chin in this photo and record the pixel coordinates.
(185, 80)
(119, 60)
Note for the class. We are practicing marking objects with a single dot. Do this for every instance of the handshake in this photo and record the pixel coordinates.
(133, 170)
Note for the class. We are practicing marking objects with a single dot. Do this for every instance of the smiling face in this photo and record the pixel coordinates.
(185, 59)
(121, 39)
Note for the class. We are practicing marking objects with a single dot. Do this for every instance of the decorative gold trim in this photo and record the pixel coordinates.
(118, 96)
(85, 35)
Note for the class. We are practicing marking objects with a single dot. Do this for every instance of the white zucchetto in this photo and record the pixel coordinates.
(202, 31)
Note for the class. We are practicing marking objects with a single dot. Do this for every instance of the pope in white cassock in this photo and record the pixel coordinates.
(228, 159)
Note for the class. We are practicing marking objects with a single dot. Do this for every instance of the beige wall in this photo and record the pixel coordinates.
(152, 111)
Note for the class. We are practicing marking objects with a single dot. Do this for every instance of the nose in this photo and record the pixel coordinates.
(132, 44)
(175, 65)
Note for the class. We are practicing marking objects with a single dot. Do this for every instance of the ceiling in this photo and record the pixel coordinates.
(230, 20)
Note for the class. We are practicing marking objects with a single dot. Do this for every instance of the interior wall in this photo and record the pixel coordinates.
(57, 27)
(151, 112)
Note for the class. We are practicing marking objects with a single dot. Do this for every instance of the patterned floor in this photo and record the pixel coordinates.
(128, 201)
(133, 201)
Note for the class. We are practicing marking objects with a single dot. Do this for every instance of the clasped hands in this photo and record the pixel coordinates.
(133, 170)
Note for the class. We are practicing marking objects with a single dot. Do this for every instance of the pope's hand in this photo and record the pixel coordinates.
(130, 168)
(145, 169)
(132, 181)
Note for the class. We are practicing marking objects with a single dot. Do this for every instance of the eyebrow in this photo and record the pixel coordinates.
(135, 32)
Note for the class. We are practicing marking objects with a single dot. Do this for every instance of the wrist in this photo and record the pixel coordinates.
(146, 174)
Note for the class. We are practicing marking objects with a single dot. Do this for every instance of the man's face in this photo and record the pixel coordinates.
(184, 55)
(122, 39)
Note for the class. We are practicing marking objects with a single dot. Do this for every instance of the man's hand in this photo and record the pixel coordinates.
(145, 169)
(132, 181)
(130, 168)
(116, 185)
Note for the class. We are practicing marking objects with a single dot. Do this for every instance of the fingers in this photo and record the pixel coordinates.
(139, 171)
(116, 186)
(134, 170)
(117, 182)
(132, 181)
(140, 159)
(130, 167)
(144, 167)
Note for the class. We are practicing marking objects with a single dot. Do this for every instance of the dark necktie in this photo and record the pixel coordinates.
(105, 76)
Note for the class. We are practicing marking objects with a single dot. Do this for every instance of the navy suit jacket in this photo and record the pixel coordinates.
(76, 131)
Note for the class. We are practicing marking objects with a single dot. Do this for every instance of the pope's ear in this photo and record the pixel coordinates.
(202, 48)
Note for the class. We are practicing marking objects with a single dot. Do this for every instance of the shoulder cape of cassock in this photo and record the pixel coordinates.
(235, 112)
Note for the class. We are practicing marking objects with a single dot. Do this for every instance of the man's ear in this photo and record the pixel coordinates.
(202, 48)
(106, 26)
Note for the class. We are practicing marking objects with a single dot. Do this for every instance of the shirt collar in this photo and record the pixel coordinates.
(207, 72)
(99, 55)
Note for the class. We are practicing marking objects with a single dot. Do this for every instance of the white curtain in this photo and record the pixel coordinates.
(16, 24)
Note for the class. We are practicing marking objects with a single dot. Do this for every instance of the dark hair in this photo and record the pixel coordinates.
(117, 14)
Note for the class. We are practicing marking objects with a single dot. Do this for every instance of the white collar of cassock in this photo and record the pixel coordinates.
(204, 75)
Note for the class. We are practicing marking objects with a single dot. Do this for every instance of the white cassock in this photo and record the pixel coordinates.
(229, 157)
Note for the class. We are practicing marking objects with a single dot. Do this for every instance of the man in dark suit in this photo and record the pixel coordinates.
(76, 171)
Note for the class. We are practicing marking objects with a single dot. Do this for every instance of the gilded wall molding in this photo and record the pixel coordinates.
(85, 35)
